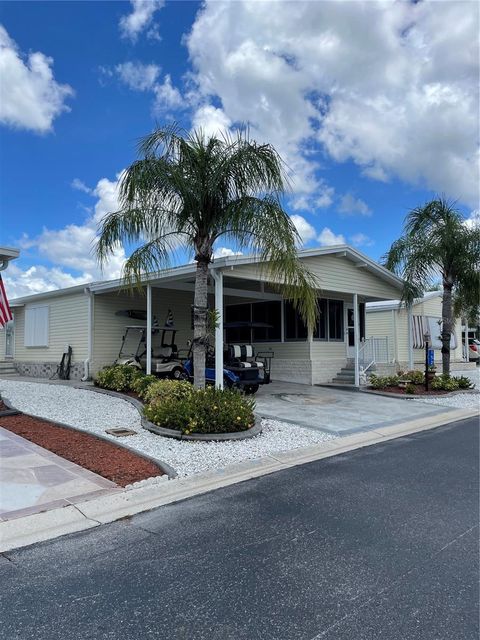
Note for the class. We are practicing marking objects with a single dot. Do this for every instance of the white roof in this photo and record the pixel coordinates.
(388, 305)
(188, 270)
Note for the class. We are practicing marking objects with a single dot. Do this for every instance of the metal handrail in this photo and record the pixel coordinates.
(373, 350)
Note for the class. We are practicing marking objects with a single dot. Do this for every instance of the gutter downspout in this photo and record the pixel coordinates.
(87, 363)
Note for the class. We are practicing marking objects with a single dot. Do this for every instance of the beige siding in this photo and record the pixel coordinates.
(380, 324)
(68, 324)
(334, 274)
(109, 328)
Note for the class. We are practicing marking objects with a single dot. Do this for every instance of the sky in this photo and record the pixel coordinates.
(374, 106)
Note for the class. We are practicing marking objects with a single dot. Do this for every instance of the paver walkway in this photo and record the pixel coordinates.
(33, 479)
(336, 410)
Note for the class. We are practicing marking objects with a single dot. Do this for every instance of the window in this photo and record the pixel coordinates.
(321, 329)
(335, 320)
(295, 328)
(361, 309)
(269, 313)
(36, 327)
(265, 312)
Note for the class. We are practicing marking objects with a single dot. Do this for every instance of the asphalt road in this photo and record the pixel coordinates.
(380, 543)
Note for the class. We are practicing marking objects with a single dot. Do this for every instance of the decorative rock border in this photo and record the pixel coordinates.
(163, 466)
(171, 433)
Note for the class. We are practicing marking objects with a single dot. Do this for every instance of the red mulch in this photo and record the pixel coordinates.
(104, 458)
(419, 391)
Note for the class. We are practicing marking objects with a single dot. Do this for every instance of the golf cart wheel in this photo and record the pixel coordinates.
(251, 389)
(179, 374)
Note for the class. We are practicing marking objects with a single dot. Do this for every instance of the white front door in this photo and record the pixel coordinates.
(350, 331)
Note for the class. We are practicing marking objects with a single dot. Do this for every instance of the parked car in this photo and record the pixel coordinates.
(473, 349)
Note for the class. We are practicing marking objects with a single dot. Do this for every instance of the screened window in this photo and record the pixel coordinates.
(270, 313)
(36, 327)
(266, 312)
(335, 320)
(321, 332)
(295, 328)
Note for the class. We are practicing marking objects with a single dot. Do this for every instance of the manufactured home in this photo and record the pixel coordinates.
(91, 319)
(402, 332)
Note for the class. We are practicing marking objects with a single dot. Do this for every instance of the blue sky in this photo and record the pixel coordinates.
(373, 105)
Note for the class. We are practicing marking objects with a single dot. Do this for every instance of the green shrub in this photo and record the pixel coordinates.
(118, 377)
(444, 383)
(464, 382)
(207, 410)
(141, 384)
(163, 390)
(382, 382)
(414, 376)
(410, 388)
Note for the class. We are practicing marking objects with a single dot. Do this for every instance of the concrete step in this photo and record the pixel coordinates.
(343, 381)
(346, 374)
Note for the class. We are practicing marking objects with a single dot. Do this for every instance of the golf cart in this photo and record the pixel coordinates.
(165, 360)
(242, 368)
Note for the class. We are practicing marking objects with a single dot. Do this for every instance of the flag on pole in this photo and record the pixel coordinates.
(5, 313)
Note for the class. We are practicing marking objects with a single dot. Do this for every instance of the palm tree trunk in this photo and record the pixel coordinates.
(200, 323)
(447, 324)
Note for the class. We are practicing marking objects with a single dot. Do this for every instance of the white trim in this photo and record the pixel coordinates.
(148, 368)
(218, 278)
(356, 337)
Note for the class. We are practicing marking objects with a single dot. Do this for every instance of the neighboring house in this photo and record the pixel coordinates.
(406, 346)
(84, 317)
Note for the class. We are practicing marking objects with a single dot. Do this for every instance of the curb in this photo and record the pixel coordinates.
(163, 466)
(171, 433)
(104, 509)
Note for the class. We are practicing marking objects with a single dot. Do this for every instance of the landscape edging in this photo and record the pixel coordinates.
(177, 435)
(163, 466)
(414, 396)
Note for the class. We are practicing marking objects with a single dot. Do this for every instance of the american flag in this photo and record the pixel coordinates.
(5, 313)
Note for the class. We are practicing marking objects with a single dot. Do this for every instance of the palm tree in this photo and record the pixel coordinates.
(436, 243)
(190, 189)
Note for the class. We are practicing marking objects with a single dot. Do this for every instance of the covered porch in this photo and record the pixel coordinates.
(239, 290)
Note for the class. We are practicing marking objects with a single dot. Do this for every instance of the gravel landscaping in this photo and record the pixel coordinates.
(95, 412)
(469, 400)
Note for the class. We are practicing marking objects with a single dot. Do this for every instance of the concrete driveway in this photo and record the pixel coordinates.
(335, 410)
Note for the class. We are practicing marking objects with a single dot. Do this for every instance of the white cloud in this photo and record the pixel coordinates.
(70, 248)
(138, 76)
(305, 230)
(141, 19)
(327, 238)
(225, 252)
(167, 96)
(320, 199)
(38, 279)
(31, 97)
(361, 240)
(211, 120)
(351, 206)
(79, 185)
(390, 86)
(473, 220)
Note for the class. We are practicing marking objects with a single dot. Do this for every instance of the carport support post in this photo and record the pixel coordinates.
(356, 329)
(218, 277)
(149, 330)
(410, 337)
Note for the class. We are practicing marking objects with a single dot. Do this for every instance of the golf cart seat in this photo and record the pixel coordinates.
(162, 352)
(242, 356)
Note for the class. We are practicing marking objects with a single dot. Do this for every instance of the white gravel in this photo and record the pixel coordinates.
(94, 412)
(469, 400)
